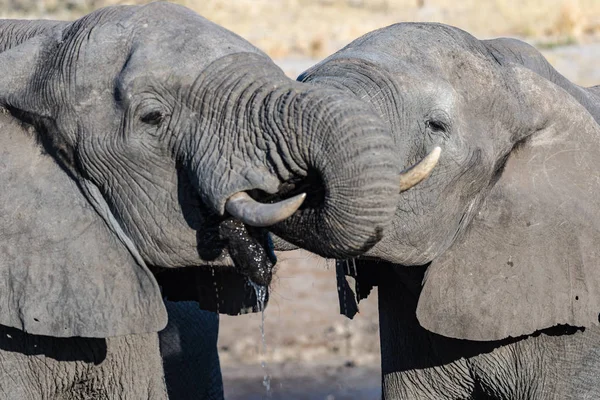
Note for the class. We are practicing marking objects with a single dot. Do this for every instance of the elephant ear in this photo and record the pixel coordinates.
(530, 258)
(65, 268)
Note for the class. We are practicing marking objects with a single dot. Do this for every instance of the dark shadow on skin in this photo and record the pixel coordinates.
(399, 290)
(222, 236)
(210, 246)
(217, 289)
(221, 289)
(87, 350)
(401, 286)
(189, 351)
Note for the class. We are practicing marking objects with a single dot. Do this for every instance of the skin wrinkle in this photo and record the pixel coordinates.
(474, 166)
(216, 147)
(102, 286)
(253, 145)
(38, 376)
(128, 201)
(284, 158)
(363, 84)
(243, 126)
(285, 103)
(508, 370)
(175, 120)
(316, 116)
(14, 34)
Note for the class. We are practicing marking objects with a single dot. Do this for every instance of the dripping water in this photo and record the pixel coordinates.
(212, 270)
(352, 271)
(261, 296)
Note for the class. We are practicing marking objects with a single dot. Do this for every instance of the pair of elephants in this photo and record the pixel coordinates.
(141, 139)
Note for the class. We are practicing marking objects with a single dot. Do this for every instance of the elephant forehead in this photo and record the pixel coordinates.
(438, 49)
(435, 93)
(422, 38)
(158, 37)
(171, 36)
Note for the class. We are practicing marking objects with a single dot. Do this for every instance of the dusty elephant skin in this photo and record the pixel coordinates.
(125, 367)
(41, 367)
(488, 281)
(126, 137)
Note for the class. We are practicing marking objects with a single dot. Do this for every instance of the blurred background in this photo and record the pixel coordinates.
(315, 28)
(311, 351)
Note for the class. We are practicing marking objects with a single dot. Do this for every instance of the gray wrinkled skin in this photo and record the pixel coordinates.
(558, 363)
(158, 116)
(122, 135)
(128, 367)
(47, 368)
(488, 281)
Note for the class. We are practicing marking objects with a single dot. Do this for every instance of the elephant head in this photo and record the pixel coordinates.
(508, 224)
(145, 137)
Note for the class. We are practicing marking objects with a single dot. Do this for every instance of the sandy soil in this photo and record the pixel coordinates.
(315, 28)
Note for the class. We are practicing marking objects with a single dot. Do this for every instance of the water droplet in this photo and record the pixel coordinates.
(261, 297)
(216, 287)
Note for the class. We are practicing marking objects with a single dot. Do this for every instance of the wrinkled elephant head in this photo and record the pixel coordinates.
(156, 139)
(508, 224)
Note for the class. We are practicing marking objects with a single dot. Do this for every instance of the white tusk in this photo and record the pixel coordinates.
(421, 170)
(253, 213)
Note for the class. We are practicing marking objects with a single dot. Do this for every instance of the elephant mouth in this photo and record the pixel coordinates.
(237, 284)
(250, 249)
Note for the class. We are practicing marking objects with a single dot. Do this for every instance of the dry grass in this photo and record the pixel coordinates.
(314, 28)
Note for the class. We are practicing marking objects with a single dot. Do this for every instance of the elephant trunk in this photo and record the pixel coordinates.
(283, 139)
(342, 157)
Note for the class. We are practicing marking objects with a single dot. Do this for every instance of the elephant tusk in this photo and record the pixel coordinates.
(253, 213)
(421, 170)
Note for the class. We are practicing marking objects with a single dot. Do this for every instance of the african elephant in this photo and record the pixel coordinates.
(139, 139)
(488, 282)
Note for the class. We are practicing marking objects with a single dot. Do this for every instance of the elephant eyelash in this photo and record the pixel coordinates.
(153, 118)
(436, 126)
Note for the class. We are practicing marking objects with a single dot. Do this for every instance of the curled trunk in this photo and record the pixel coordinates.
(351, 175)
(285, 138)
(262, 133)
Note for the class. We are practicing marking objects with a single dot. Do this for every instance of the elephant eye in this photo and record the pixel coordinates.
(153, 118)
(436, 126)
